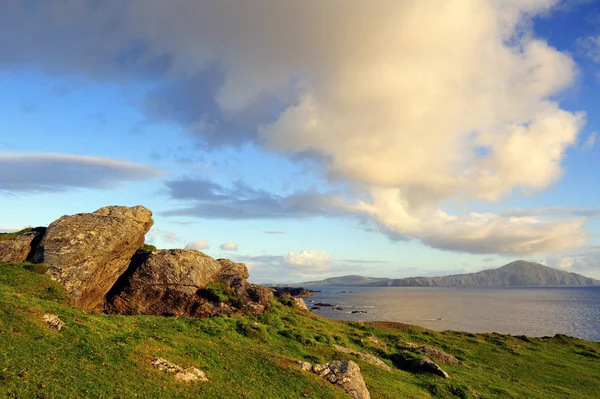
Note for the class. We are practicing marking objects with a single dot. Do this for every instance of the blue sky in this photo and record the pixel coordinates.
(310, 140)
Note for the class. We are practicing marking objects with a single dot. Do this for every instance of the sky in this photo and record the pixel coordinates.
(311, 139)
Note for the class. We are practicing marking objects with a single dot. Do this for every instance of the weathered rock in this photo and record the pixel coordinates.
(299, 302)
(374, 360)
(53, 322)
(346, 375)
(374, 341)
(88, 252)
(438, 355)
(429, 366)
(163, 282)
(407, 344)
(17, 247)
(234, 273)
(181, 374)
(306, 366)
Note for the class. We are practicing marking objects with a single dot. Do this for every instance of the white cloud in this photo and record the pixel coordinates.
(566, 262)
(590, 46)
(229, 246)
(590, 141)
(48, 172)
(157, 236)
(199, 245)
(309, 259)
(411, 103)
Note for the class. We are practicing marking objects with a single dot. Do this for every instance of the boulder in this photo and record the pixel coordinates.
(233, 274)
(53, 322)
(17, 247)
(374, 360)
(342, 373)
(299, 303)
(438, 355)
(163, 282)
(428, 366)
(181, 374)
(88, 252)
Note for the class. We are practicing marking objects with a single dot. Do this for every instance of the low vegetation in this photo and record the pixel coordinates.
(100, 356)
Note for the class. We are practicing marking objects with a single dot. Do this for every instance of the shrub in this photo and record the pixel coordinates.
(299, 336)
(286, 300)
(251, 330)
(147, 248)
(272, 320)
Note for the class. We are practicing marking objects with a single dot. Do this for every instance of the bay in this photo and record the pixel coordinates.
(531, 311)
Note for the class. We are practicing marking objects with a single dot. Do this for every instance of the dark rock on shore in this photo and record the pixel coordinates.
(292, 291)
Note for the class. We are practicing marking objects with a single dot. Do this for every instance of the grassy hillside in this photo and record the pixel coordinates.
(100, 356)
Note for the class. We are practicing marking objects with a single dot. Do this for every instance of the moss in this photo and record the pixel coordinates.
(147, 248)
(216, 292)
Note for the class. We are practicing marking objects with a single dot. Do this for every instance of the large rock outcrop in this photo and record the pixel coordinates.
(88, 252)
(185, 282)
(18, 247)
(163, 282)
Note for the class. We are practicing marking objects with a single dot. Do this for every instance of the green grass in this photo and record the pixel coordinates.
(10, 236)
(100, 356)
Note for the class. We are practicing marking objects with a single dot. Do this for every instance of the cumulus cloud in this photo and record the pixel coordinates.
(60, 172)
(155, 236)
(229, 246)
(411, 103)
(300, 266)
(199, 245)
(309, 259)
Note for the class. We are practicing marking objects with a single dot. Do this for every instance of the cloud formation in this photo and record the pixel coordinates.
(210, 200)
(155, 236)
(59, 172)
(198, 245)
(229, 246)
(410, 103)
(309, 259)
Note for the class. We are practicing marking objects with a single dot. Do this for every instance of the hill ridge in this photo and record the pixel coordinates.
(519, 273)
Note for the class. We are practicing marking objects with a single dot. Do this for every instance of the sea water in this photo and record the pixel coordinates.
(532, 311)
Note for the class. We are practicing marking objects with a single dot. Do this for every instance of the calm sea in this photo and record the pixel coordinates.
(536, 311)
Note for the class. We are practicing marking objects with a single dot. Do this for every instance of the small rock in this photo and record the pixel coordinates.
(53, 322)
(299, 302)
(304, 365)
(191, 374)
(374, 340)
(188, 374)
(364, 356)
(346, 375)
(408, 345)
(359, 311)
(438, 355)
(431, 367)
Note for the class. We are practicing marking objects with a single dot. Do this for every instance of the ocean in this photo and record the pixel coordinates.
(531, 311)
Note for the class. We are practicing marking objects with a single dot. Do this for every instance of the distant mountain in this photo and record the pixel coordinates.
(352, 280)
(516, 274)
